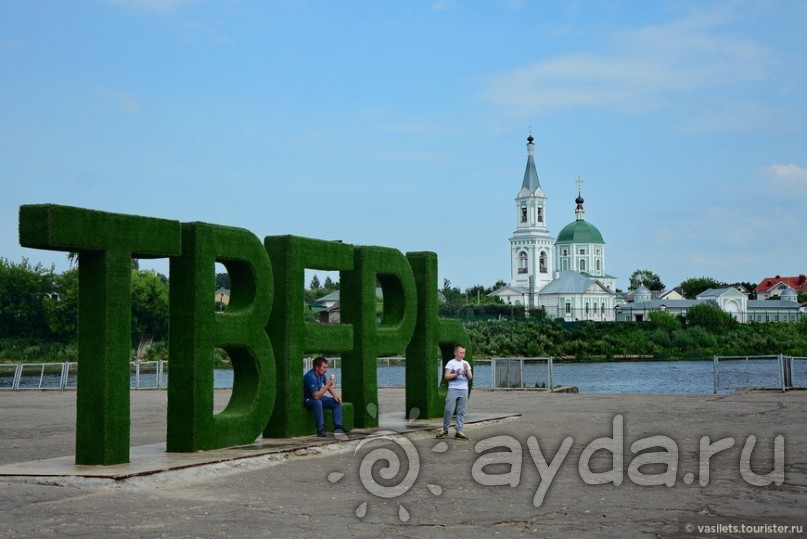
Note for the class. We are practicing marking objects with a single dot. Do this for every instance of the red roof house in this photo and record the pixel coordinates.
(774, 286)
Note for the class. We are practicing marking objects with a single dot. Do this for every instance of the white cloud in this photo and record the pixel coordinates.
(639, 69)
(124, 101)
(444, 5)
(156, 6)
(9, 44)
(792, 178)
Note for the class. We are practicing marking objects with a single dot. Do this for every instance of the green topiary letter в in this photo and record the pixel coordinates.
(105, 243)
(196, 329)
(291, 336)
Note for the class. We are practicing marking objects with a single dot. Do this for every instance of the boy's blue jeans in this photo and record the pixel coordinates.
(455, 398)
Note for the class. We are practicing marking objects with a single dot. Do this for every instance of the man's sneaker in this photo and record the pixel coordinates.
(460, 436)
(442, 433)
(341, 429)
(321, 433)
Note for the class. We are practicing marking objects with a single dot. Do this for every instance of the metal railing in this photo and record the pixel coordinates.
(520, 373)
(61, 376)
(496, 373)
(762, 372)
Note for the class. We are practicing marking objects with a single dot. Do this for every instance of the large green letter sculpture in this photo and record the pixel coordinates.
(424, 369)
(196, 329)
(291, 336)
(105, 243)
(357, 303)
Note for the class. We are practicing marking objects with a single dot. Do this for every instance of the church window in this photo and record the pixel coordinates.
(598, 251)
(565, 252)
(582, 251)
(586, 307)
(540, 214)
(522, 262)
(602, 308)
(598, 264)
(542, 262)
(523, 214)
(568, 308)
(582, 265)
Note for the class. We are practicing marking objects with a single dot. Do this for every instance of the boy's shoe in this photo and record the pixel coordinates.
(442, 433)
(340, 429)
(321, 433)
(460, 436)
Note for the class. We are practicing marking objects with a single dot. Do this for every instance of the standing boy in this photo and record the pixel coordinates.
(457, 372)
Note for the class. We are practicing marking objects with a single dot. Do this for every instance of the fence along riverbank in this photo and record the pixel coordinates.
(730, 373)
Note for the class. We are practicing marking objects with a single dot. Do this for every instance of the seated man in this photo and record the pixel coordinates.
(315, 387)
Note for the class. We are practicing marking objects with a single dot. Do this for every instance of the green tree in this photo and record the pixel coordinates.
(149, 305)
(647, 278)
(329, 285)
(23, 292)
(61, 308)
(664, 321)
(710, 318)
(695, 285)
(751, 287)
(454, 299)
(223, 281)
(314, 283)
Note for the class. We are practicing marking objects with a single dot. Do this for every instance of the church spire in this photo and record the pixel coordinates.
(530, 182)
(579, 212)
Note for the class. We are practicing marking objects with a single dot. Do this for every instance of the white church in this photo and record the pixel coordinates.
(566, 276)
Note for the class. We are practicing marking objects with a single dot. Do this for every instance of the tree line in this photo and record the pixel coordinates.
(39, 310)
(707, 331)
(39, 317)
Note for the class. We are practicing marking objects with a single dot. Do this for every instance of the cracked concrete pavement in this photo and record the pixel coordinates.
(316, 493)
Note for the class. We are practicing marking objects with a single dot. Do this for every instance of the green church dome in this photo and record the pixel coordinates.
(579, 232)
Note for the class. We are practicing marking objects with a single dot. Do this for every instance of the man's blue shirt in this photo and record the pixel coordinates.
(312, 383)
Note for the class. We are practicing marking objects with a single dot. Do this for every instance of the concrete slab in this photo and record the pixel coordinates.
(153, 458)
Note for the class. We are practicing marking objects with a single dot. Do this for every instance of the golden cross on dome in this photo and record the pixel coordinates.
(579, 183)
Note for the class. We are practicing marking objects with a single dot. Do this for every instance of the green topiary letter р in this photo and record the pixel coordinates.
(424, 366)
(357, 299)
(196, 329)
(292, 337)
(105, 243)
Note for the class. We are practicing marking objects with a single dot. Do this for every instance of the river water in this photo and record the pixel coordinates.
(694, 377)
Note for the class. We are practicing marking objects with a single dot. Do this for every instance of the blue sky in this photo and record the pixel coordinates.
(403, 124)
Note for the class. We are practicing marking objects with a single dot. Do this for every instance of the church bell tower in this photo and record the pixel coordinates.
(531, 246)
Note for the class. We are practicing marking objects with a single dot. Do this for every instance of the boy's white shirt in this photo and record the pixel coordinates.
(460, 382)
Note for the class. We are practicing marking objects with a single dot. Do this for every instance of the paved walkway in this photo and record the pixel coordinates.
(443, 487)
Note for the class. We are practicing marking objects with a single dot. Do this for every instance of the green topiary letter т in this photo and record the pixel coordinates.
(105, 243)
